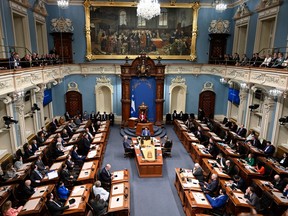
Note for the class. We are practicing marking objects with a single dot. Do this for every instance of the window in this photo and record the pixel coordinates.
(163, 18)
(41, 34)
(141, 22)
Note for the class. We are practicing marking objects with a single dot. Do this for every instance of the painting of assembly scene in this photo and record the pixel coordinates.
(119, 31)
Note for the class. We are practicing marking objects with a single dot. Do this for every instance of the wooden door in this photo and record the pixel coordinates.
(217, 47)
(74, 103)
(63, 45)
(207, 103)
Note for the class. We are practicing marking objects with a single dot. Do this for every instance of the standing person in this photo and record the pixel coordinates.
(111, 118)
(201, 114)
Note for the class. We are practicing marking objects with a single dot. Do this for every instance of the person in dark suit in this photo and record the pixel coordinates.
(85, 144)
(201, 114)
(76, 157)
(229, 168)
(174, 115)
(58, 151)
(219, 201)
(126, 143)
(241, 131)
(233, 127)
(56, 208)
(146, 132)
(269, 149)
(99, 205)
(278, 183)
(221, 160)
(27, 190)
(65, 175)
(284, 160)
(105, 175)
(36, 176)
(53, 126)
(41, 166)
(93, 117)
(167, 142)
(28, 151)
(239, 183)
(199, 134)
(252, 198)
(198, 172)
(211, 187)
(104, 116)
(111, 118)
(227, 137)
(212, 149)
(67, 116)
(254, 142)
(34, 146)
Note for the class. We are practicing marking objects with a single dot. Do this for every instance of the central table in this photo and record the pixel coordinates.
(149, 160)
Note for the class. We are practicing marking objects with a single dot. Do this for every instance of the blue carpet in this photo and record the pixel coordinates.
(150, 196)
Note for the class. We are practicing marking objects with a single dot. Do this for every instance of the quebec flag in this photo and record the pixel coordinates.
(132, 109)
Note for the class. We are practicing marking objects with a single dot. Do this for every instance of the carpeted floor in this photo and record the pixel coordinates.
(150, 196)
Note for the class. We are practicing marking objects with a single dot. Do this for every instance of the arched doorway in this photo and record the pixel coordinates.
(207, 100)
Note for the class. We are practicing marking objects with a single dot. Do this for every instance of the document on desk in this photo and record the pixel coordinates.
(280, 196)
(117, 201)
(199, 198)
(78, 190)
(92, 154)
(96, 139)
(118, 175)
(99, 135)
(39, 191)
(52, 174)
(118, 189)
(31, 204)
(84, 173)
(56, 166)
(240, 197)
(87, 165)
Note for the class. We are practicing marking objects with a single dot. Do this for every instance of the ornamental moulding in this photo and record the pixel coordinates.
(178, 80)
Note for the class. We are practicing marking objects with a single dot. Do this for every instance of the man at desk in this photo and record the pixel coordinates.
(252, 198)
(219, 201)
(146, 132)
(105, 176)
(142, 117)
(211, 187)
(56, 208)
(167, 142)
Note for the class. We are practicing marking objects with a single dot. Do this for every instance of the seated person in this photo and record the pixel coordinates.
(227, 137)
(269, 149)
(146, 132)
(99, 205)
(62, 191)
(199, 134)
(229, 168)
(65, 135)
(285, 190)
(211, 187)
(41, 166)
(41, 138)
(127, 146)
(284, 160)
(36, 176)
(65, 175)
(75, 156)
(260, 168)
(18, 163)
(220, 159)
(28, 151)
(241, 131)
(27, 190)
(252, 198)
(142, 117)
(278, 183)
(250, 160)
(219, 201)
(97, 189)
(254, 142)
(7, 209)
(58, 151)
(239, 183)
(34, 146)
(167, 142)
(198, 172)
(10, 171)
(56, 207)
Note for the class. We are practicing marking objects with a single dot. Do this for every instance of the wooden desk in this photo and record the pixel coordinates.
(236, 203)
(6, 192)
(132, 122)
(119, 201)
(33, 207)
(75, 138)
(245, 171)
(226, 150)
(198, 152)
(120, 176)
(208, 167)
(50, 139)
(185, 181)
(149, 168)
(188, 139)
(273, 164)
(42, 191)
(88, 172)
(252, 149)
(140, 127)
(95, 153)
(81, 195)
(195, 203)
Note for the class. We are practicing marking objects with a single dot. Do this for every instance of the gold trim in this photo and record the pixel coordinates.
(195, 9)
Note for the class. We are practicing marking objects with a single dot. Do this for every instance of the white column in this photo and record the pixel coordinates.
(248, 113)
(39, 93)
(276, 125)
(19, 105)
(266, 116)
(242, 106)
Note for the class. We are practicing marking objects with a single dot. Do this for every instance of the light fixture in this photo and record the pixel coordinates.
(275, 92)
(35, 108)
(283, 120)
(254, 106)
(219, 5)
(8, 120)
(148, 9)
(63, 4)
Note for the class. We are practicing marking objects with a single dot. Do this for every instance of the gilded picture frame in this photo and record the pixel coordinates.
(114, 31)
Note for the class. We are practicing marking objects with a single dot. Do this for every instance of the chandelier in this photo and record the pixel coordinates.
(63, 3)
(148, 9)
(219, 5)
